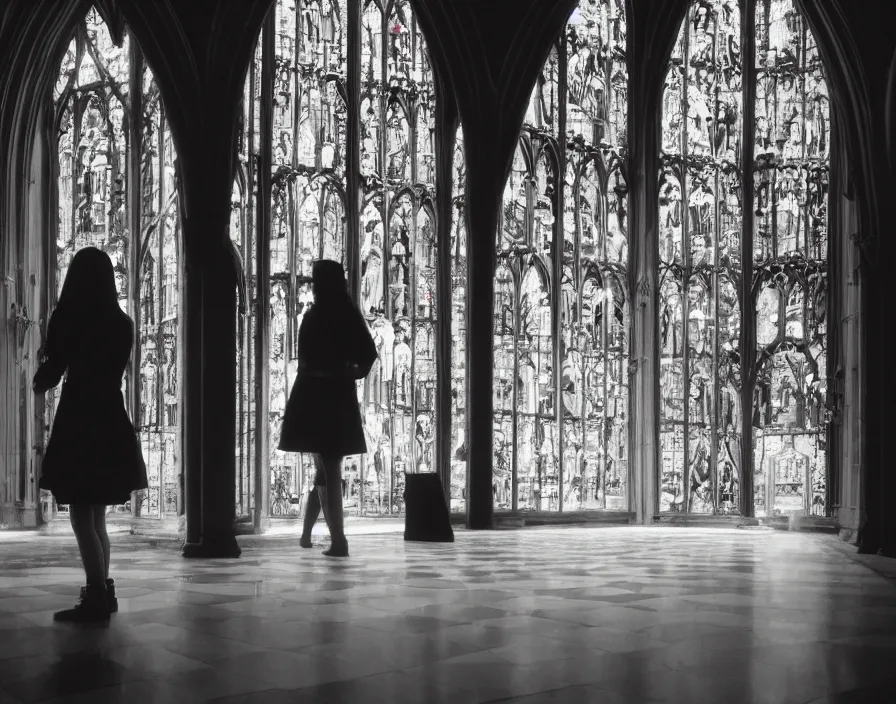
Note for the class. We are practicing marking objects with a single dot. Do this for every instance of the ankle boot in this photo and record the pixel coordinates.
(92, 606)
(312, 511)
(111, 600)
(332, 501)
(337, 549)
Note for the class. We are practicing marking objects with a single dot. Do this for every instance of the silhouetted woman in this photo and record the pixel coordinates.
(322, 415)
(93, 458)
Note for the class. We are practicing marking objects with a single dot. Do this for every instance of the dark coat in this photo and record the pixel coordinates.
(93, 455)
(322, 415)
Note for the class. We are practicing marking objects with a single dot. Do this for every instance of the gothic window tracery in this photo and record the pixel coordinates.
(702, 265)
(561, 402)
(561, 304)
(398, 252)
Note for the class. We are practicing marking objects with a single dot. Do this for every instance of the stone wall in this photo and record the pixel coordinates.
(23, 311)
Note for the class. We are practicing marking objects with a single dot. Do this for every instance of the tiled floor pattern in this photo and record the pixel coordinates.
(604, 615)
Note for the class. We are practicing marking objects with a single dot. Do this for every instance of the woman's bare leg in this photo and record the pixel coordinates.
(93, 606)
(313, 504)
(89, 543)
(333, 514)
(99, 524)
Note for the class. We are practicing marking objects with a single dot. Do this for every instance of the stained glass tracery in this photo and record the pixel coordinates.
(561, 404)
(561, 305)
(702, 266)
(397, 145)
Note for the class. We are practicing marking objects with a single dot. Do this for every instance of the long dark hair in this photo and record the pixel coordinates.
(328, 279)
(89, 295)
(338, 320)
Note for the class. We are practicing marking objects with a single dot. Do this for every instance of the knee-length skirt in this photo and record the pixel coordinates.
(322, 417)
(93, 455)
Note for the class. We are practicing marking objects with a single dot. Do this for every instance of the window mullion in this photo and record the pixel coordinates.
(747, 308)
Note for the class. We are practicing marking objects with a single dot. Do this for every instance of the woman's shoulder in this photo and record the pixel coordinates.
(311, 316)
(124, 324)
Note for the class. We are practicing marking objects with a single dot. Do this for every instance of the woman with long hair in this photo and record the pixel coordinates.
(93, 458)
(322, 415)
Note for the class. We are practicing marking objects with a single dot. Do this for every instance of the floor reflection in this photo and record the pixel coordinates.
(540, 615)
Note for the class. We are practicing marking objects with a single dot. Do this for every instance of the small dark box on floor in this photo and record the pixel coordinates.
(426, 510)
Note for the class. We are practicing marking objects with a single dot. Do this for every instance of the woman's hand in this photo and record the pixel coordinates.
(41, 384)
(38, 387)
(50, 371)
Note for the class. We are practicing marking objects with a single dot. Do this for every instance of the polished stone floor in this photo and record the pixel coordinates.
(574, 614)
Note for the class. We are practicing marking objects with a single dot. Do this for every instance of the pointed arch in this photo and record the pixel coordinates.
(704, 237)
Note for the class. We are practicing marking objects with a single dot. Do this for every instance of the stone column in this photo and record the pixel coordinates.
(844, 369)
(747, 307)
(858, 66)
(353, 151)
(447, 121)
(485, 180)
(649, 45)
(211, 402)
(262, 484)
(135, 224)
(200, 53)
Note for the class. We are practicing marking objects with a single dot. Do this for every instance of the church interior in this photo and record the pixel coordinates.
(667, 472)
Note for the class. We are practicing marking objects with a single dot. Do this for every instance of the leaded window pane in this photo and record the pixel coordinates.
(561, 406)
(702, 301)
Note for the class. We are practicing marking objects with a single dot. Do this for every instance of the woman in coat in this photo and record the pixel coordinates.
(322, 415)
(93, 458)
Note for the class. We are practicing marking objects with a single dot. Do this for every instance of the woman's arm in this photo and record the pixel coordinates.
(348, 351)
(363, 350)
(52, 363)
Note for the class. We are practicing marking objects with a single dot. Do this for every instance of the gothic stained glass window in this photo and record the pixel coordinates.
(243, 235)
(582, 462)
(702, 266)
(699, 259)
(561, 303)
(99, 86)
(397, 237)
(158, 300)
(594, 300)
(791, 171)
(505, 387)
(398, 253)
(537, 460)
(526, 465)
